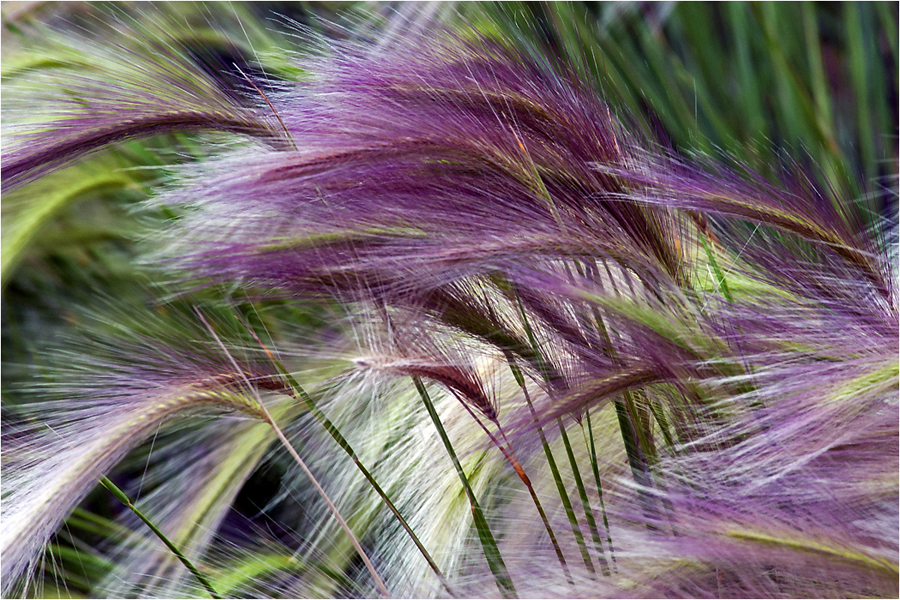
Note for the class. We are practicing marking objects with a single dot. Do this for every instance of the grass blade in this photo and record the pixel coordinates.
(488, 544)
(345, 445)
(596, 471)
(582, 493)
(290, 448)
(124, 499)
(570, 513)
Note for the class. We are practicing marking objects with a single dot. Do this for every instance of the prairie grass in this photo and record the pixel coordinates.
(495, 300)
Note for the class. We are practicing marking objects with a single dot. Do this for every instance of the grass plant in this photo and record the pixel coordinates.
(324, 299)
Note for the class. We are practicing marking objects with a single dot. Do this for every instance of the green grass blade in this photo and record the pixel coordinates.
(554, 469)
(585, 503)
(488, 544)
(332, 507)
(20, 228)
(124, 499)
(626, 414)
(748, 75)
(860, 80)
(253, 568)
(345, 445)
(721, 284)
(663, 422)
(889, 26)
(596, 470)
(570, 513)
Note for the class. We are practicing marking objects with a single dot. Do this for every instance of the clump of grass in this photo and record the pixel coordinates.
(462, 237)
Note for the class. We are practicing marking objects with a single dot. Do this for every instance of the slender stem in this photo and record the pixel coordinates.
(570, 513)
(337, 515)
(513, 461)
(287, 445)
(663, 425)
(596, 470)
(300, 393)
(488, 544)
(554, 469)
(284, 128)
(582, 493)
(589, 444)
(124, 499)
(633, 450)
